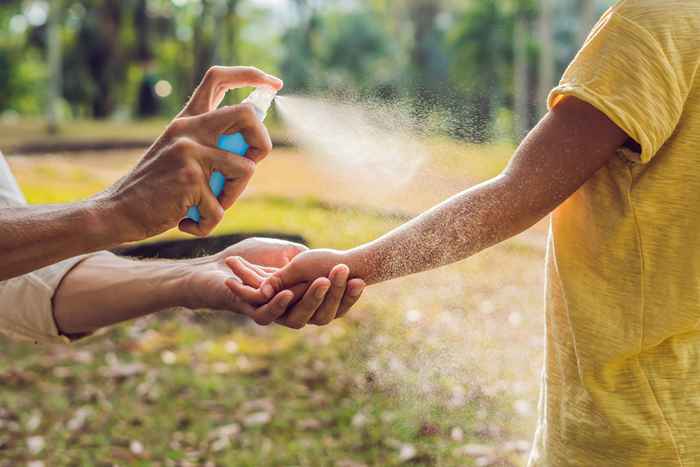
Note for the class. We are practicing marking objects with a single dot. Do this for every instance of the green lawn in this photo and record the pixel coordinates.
(424, 372)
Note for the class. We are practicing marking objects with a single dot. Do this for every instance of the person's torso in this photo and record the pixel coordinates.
(621, 384)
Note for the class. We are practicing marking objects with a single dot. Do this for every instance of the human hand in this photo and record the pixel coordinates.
(318, 302)
(265, 252)
(174, 173)
(203, 281)
(316, 307)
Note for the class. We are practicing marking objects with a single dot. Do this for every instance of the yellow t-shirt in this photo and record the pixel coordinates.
(621, 383)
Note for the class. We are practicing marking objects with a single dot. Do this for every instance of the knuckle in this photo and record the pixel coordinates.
(247, 168)
(183, 148)
(266, 144)
(247, 111)
(212, 73)
(217, 217)
(176, 127)
(189, 175)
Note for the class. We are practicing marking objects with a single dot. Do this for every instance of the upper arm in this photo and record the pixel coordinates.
(566, 148)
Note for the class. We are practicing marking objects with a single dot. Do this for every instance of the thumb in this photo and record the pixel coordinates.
(293, 250)
(283, 279)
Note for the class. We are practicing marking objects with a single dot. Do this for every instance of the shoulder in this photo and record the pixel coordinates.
(654, 14)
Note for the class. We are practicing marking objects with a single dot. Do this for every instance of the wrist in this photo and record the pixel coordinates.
(112, 219)
(99, 222)
(361, 263)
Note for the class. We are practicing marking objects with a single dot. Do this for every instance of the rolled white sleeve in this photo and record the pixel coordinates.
(26, 302)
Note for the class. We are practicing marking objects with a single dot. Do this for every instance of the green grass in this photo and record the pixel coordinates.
(188, 388)
(325, 404)
(24, 131)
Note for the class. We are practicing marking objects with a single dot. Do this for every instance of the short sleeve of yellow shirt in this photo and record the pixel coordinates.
(621, 381)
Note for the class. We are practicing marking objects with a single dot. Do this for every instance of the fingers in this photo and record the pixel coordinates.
(302, 312)
(236, 170)
(285, 277)
(220, 79)
(246, 293)
(248, 274)
(273, 310)
(353, 293)
(236, 118)
(292, 250)
(328, 309)
(210, 212)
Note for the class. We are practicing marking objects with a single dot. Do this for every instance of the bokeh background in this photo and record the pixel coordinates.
(436, 369)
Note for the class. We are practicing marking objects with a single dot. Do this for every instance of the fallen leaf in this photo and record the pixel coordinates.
(359, 420)
(35, 444)
(257, 419)
(474, 450)
(349, 463)
(78, 420)
(407, 452)
(33, 421)
(136, 447)
(309, 424)
(429, 429)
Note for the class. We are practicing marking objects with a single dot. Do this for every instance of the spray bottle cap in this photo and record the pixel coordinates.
(261, 98)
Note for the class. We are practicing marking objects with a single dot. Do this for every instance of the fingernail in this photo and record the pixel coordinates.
(321, 291)
(268, 291)
(284, 303)
(341, 278)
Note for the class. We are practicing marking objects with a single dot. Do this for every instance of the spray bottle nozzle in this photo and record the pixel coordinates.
(261, 99)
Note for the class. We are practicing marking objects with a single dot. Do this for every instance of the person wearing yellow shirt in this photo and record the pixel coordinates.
(616, 160)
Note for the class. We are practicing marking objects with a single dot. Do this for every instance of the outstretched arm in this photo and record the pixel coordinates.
(566, 148)
(105, 289)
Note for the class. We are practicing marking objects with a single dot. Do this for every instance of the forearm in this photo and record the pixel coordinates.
(105, 290)
(566, 148)
(453, 230)
(32, 237)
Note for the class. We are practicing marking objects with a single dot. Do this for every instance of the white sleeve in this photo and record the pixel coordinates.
(26, 303)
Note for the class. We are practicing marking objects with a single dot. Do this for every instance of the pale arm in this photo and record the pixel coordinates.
(104, 289)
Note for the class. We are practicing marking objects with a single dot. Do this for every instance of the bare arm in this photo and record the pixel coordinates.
(105, 289)
(35, 236)
(154, 197)
(567, 147)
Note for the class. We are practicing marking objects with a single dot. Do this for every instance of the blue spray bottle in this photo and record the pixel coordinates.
(261, 99)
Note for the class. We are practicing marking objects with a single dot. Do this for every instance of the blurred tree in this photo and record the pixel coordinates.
(589, 13)
(429, 63)
(547, 65)
(53, 42)
(477, 62)
(96, 63)
(299, 61)
(482, 66)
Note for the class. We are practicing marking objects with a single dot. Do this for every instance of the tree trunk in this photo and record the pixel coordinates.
(547, 78)
(53, 44)
(201, 45)
(232, 24)
(520, 76)
(423, 15)
(588, 14)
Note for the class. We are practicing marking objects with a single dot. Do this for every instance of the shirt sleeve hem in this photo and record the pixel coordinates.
(614, 113)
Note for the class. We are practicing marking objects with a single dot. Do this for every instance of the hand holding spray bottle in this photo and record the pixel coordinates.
(261, 99)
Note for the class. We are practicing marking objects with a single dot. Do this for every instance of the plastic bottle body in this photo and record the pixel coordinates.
(261, 99)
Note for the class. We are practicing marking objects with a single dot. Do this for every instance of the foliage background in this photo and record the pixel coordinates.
(446, 56)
